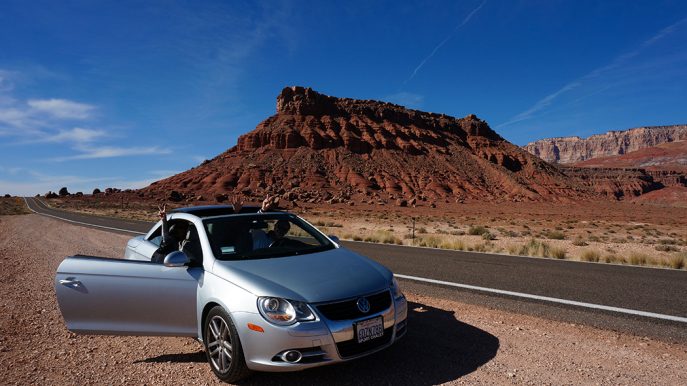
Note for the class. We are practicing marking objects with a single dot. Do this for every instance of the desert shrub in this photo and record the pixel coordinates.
(457, 233)
(488, 236)
(555, 235)
(579, 242)
(594, 238)
(558, 253)
(477, 230)
(666, 248)
(637, 258)
(590, 255)
(421, 230)
(668, 242)
(512, 249)
(483, 247)
(334, 225)
(357, 238)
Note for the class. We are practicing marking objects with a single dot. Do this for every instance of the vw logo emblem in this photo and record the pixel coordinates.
(363, 305)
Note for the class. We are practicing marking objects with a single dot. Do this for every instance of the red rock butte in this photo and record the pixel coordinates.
(318, 148)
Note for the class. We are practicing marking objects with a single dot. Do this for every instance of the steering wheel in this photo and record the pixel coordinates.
(278, 243)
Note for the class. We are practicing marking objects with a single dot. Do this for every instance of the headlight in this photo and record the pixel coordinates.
(396, 289)
(284, 312)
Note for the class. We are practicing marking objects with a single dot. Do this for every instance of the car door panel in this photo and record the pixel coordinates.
(107, 296)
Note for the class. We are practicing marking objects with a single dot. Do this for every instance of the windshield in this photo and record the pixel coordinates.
(263, 236)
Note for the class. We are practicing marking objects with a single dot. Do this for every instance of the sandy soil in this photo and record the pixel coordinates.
(447, 342)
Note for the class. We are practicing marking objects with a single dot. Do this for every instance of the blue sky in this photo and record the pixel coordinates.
(118, 93)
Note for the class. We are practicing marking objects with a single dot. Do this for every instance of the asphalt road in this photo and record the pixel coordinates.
(659, 291)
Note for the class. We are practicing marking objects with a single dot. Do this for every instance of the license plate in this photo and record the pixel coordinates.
(369, 329)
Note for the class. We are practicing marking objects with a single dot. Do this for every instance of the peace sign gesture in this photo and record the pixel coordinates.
(162, 211)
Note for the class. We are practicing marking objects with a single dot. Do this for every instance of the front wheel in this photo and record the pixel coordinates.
(223, 348)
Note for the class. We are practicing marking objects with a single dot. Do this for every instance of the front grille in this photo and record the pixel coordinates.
(351, 347)
(348, 309)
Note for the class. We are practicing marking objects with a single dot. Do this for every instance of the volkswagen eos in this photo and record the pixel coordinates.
(294, 302)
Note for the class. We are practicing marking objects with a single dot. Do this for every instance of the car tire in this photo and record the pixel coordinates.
(223, 347)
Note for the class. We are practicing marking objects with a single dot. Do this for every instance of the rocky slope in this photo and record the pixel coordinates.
(318, 148)
(567, 150)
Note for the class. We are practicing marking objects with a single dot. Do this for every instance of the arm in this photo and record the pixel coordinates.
(165, 224)
(268, 203)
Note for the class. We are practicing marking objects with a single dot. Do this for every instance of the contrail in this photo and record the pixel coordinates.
(615, 64)
(434, 51)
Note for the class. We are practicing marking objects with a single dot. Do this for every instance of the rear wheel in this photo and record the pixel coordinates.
(223, 348)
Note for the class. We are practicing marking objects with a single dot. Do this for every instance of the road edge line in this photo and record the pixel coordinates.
(80, 222)
(547, 299)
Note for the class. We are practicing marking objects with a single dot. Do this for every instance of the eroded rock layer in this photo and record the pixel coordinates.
(318, 148)
(566, 150)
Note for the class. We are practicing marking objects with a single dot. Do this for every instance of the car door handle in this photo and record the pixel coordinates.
(70, 282)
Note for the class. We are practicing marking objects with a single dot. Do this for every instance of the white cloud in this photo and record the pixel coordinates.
(62, 108)
(93, 152)
(77, 134)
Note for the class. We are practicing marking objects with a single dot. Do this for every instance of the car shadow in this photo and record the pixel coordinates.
(438, 348)
(196, 357)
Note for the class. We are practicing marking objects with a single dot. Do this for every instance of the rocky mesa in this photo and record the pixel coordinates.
(568, 150)
(319, 148)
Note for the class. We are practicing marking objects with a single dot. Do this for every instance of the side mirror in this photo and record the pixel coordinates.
(176, 259)
(334, 239)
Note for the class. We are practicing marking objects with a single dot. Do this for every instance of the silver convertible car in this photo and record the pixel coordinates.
(255, 300)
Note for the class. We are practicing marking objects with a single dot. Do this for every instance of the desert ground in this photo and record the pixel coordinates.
(617, 232)
(448, 341)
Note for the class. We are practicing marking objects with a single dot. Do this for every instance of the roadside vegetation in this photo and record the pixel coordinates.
(658, 244)
(13, 206)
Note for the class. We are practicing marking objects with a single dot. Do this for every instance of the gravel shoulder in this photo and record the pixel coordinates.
(448, 341)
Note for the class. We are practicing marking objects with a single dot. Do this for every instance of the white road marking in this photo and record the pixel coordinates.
(547, 299)
(81, 223)
(465, 286)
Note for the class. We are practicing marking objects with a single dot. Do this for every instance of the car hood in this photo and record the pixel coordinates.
(316, 277)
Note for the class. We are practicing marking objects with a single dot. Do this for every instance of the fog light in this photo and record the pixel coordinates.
(292, 356)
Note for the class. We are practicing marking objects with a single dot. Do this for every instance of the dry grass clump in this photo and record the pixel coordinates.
(384, 237)
(488, 236)
(457, 245)
(678, 261)
(637, 258)
(558, 253)
(535, 247)
(429, 241)
(590, 255)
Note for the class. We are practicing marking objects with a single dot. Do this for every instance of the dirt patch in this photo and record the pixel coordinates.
(450, 342)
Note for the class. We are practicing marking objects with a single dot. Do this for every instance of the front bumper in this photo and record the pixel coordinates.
(321, 342)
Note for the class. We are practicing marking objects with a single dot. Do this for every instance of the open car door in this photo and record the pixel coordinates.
(106, 296)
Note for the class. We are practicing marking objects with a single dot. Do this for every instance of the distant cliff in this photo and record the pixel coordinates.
(566, 150)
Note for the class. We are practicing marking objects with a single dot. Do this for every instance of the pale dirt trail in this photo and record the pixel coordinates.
(447, 342)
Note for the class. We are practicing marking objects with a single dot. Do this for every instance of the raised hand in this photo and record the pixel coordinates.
(162, 211)
(236, 203)
(269, 202)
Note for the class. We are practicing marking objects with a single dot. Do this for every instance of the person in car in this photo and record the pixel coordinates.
(173, 238)
(262, 239)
